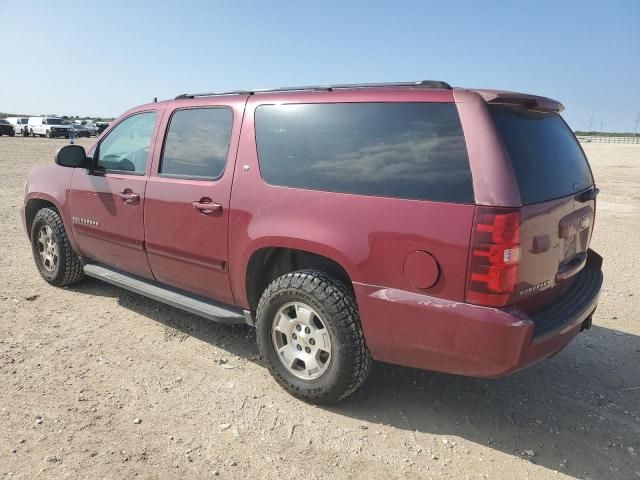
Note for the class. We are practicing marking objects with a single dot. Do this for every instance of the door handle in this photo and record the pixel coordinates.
(207, 207)
(128, 196)
(572, 267)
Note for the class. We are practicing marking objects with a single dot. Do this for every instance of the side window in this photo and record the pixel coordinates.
(126, 148)
(401, 150)
(197, 143)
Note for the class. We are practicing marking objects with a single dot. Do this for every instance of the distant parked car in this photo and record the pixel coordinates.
(91, 127)
(6, 128)
(80, 131)
(49, 127)
(19, 125)
(102, 126)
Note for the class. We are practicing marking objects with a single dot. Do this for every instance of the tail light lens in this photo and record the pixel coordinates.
(494, 258)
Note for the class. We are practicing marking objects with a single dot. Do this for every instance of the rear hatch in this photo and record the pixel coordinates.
(558, 202)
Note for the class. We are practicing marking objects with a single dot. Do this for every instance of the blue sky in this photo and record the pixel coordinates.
(101, 58)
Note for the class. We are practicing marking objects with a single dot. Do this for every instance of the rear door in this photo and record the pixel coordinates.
(558, 197)
(187, 198)
(107, 204)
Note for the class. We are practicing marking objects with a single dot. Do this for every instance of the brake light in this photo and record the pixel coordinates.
(494, 258)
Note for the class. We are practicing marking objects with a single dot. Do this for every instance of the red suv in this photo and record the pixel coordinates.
(413, 223)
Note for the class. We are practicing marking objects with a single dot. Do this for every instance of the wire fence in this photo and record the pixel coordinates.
(605, 139)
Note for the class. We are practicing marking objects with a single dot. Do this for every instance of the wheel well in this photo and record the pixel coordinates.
(32, 207)
(267, 264)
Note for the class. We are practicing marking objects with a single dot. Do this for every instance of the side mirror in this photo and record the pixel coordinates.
(72, 156)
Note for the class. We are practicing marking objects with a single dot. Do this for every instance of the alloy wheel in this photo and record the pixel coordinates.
(301, 340)
(48, 248)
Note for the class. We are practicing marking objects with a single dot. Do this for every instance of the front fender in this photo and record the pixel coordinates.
(50, 183)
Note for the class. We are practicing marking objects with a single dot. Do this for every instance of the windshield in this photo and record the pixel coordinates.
(4, 122)
(55, 121)
(546, 157)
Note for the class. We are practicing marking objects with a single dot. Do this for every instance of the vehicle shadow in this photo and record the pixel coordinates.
(579, 412)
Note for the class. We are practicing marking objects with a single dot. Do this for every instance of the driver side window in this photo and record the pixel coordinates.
(126, 147)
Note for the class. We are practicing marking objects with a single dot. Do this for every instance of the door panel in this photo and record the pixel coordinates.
(187, 197)
(106, 227)
(107, 205)
(187, 248)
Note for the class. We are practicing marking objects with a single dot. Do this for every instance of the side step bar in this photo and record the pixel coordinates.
(201, 306)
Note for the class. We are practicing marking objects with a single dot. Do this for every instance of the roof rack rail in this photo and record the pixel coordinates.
(326, 88)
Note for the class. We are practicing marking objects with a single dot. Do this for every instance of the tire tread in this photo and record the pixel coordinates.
(72, 265)
(336, 296)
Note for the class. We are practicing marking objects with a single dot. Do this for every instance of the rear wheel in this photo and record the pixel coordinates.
(57, 263)
(310, 336)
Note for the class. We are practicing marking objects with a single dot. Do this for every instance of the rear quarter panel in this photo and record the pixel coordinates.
(494, 182)
(369, 236)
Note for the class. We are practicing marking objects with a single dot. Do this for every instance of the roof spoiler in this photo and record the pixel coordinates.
(532, 102)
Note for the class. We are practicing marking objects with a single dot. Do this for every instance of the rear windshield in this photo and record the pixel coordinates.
(402, 150)
(547, 159)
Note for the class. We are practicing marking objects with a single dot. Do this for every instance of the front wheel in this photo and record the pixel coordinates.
(57, 263)
(310, 336)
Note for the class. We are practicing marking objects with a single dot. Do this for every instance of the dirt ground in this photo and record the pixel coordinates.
(96, 382)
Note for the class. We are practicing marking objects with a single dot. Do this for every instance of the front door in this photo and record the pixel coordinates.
(187, 199)
(106, 205)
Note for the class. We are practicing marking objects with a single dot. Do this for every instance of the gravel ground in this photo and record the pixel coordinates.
(97, 382)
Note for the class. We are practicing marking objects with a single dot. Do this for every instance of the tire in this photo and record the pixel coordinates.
(12, 134)
(334, 315)
(64, 266)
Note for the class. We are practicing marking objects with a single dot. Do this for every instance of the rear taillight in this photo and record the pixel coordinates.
(494, 256)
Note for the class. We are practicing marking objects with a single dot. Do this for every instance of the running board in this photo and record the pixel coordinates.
(203, 307)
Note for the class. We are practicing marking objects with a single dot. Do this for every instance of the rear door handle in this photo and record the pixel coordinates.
(207, 207)
(572, 267)
(128, 196)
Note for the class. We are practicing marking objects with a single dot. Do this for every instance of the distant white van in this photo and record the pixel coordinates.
(19, 125)
(50, 127)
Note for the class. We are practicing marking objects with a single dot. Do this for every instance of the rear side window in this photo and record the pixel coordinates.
(547, 159)
(402, 150)
(197, 143)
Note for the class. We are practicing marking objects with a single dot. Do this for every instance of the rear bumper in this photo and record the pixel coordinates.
(419, 331)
